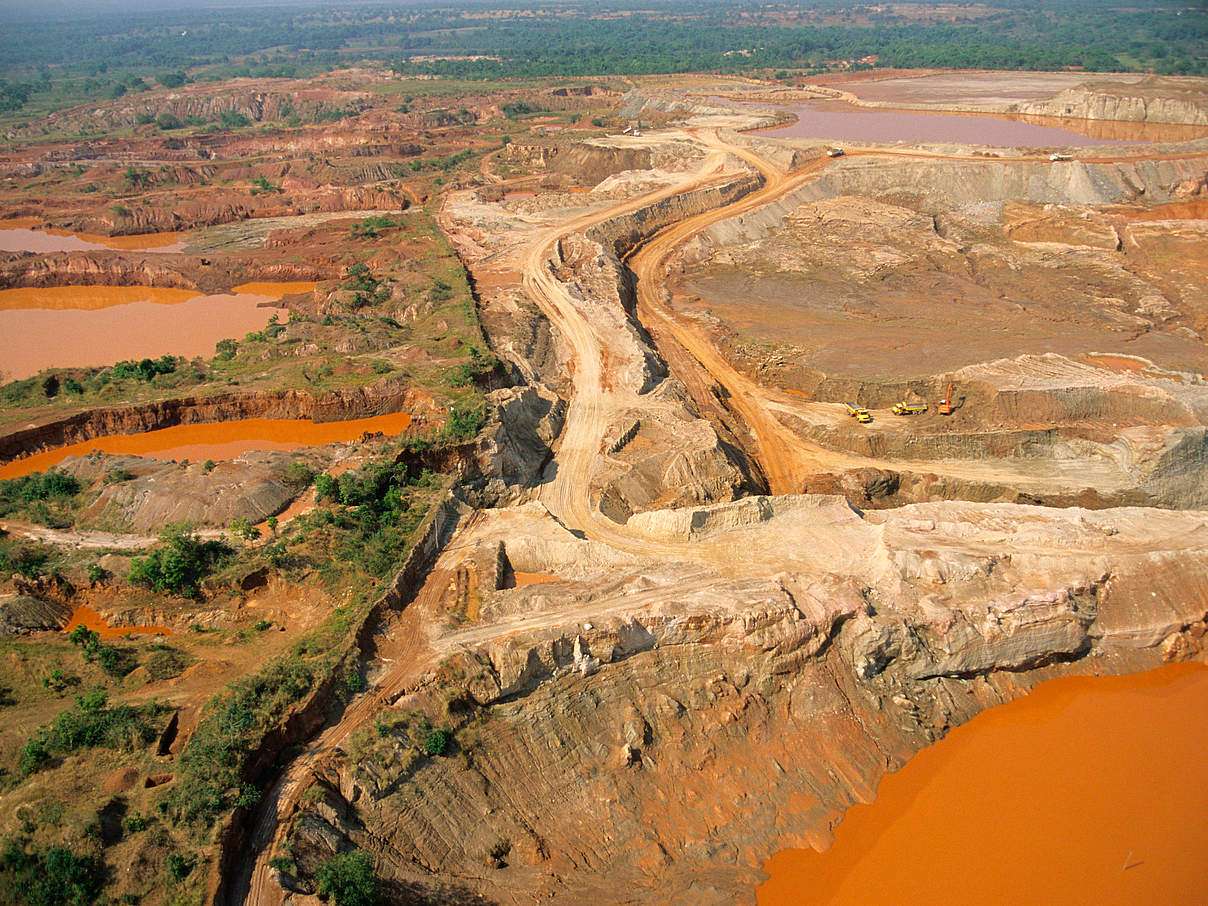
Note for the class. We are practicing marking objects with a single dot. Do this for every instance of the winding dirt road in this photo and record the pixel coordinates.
(783, 454)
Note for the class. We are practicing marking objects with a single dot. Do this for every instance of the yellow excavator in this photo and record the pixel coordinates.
(859, 413)
(905, 408)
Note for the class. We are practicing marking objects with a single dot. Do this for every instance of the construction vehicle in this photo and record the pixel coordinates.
(859, 413)
(1057, 155)
(905, 408)
(835, 152)
(945, 408)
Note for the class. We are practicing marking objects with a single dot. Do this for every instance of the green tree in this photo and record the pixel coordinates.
(348, 879)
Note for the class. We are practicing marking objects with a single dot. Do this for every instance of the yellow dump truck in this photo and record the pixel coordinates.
(904, 408)
(859, 413)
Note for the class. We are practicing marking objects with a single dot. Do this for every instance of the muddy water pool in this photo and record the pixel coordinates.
(73, 329)
(1087, 790)
(87, 617)
(23, 235)
(216, 440)
(840, 121)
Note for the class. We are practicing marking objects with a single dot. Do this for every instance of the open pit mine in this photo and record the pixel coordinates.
(800, 450)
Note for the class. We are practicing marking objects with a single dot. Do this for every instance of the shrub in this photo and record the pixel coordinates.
(168, 121)
(230, 119)
(90, 722)
(54, 877)
(179, 566)
(45, 497)
(348, 879)
(144, 370)
(438, 741)
(210, 768)
(166, 663)
(179, 865)
(224, 350)
(30, 560)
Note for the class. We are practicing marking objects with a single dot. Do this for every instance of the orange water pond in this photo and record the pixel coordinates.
(24, 234)
(1087, 790)
(89, 618)
(217, 440)
(81, 326)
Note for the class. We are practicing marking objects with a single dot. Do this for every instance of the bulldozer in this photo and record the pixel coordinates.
(905, 408)
(859, 413)
(945, 408)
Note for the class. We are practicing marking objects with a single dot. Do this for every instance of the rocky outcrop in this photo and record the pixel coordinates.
(1151, 100)
(250, 487)
(256, 104)
(21, 614)
(516, 443)
(89, 269)
(665, 728)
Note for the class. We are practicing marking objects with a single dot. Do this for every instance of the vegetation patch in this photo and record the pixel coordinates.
(180, 564)
(50, 877)
(91, 722)
(49, 498)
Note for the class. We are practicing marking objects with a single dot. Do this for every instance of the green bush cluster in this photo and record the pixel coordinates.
(348, 879)
(51, 877)
(26, 558)
(370, 227)
(211, 766)
(380, 510)
(90, 722)
(35, 391)
(46, 497)
(114, 661)
(180, 564)
(144, 370)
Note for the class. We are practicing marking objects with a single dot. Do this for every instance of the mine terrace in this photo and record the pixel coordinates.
(454, 456)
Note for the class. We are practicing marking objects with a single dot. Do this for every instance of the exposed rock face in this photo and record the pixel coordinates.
(250, 487)
(21, 614)
(1152, 100)
(197, 101)
(525, 422)
(93, 269)
(624, 706)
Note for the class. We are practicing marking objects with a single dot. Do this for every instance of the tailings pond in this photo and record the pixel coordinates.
(23, 235)
(84, 326)
(1087, 790)
(216, 440)
(840, 121)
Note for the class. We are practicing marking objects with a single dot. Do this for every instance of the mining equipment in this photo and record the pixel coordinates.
(945, 408)
(1057, 155)
(835, 152)
(904, 408)
(859, 413)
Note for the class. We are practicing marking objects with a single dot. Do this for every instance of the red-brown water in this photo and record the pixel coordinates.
(1088, 790)
(86, 616)
(23, 235)
(840, 121)
(63, 327)
(216, 440)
